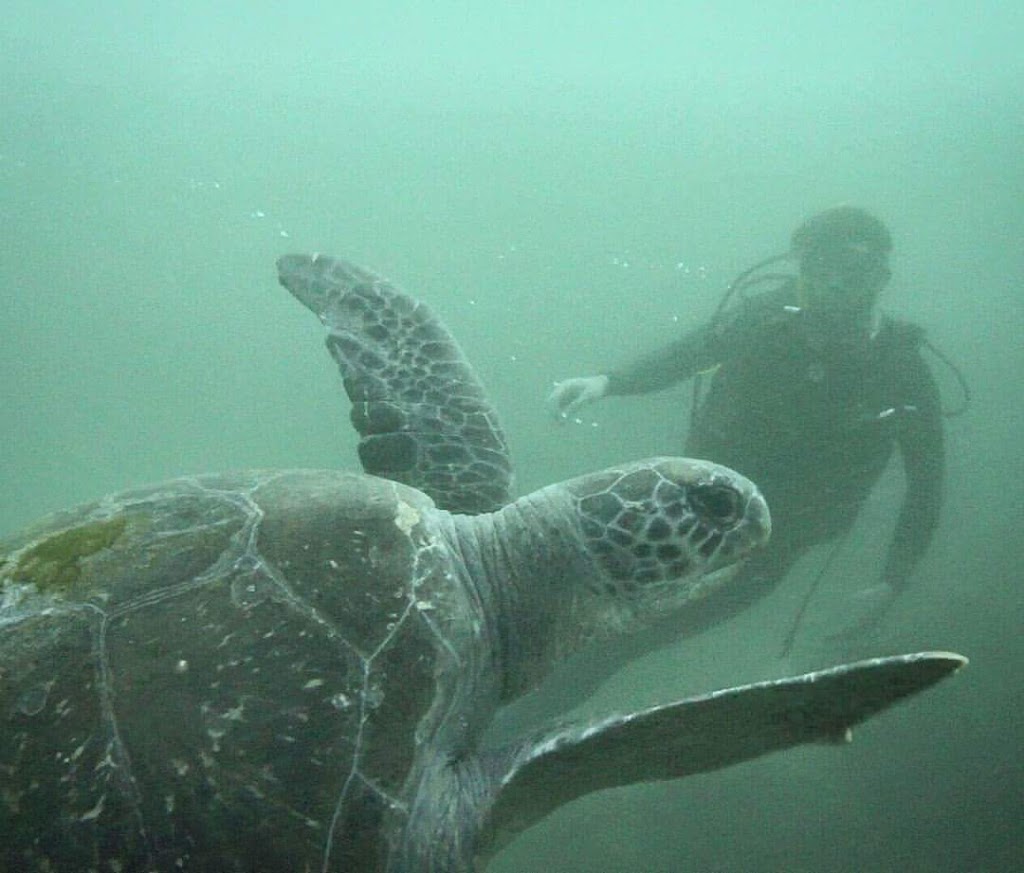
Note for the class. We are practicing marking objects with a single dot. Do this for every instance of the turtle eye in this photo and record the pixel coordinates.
(718, 503)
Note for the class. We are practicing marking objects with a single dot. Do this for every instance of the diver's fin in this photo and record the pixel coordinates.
(700, 734)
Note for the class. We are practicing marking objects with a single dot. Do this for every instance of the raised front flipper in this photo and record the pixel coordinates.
(420, 409)
(701, 734)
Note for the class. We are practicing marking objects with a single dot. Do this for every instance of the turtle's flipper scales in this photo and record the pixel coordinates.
(421, 411)
(704, 733)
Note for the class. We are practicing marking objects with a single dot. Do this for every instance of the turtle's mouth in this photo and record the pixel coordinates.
(676, 593)
(705, 583)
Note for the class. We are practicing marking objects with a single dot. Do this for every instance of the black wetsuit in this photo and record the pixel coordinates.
(813, 420)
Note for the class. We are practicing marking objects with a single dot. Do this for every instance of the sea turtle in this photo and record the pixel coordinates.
(294, 670)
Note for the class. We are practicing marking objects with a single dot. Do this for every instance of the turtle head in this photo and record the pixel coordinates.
(602, 555)
(661, 533)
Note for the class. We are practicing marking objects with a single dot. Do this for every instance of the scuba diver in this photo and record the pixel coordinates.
(812, 392)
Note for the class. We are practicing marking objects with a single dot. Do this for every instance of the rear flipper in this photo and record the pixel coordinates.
(699, 734)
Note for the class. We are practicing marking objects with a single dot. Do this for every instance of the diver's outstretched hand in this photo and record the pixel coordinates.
(572, 394)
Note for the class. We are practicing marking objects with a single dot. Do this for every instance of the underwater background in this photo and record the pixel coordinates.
(566, 184)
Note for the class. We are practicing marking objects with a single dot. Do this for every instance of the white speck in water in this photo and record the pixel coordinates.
(341, 701)
(181, 666)
(312, 683)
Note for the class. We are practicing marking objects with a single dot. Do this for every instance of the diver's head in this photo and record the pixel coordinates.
(844, 260)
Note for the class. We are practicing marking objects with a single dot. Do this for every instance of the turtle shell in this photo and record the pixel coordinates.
(221, 672)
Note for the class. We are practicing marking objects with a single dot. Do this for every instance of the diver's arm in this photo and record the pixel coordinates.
(724, 338)
(665, 366)
(654, 371)
(920, 443)
(922, 448)
(715, 342)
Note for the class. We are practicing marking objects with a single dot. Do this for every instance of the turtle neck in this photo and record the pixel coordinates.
(522, 564)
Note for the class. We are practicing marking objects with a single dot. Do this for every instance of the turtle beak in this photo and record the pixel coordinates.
(758, 520)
